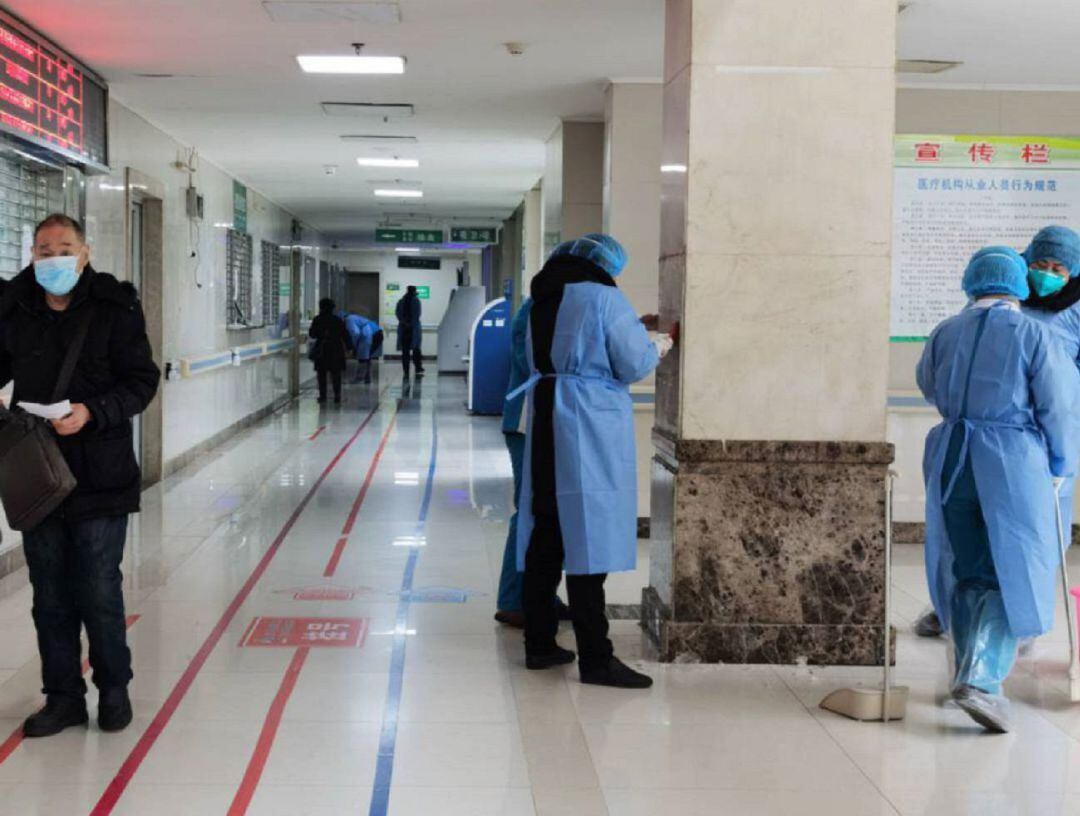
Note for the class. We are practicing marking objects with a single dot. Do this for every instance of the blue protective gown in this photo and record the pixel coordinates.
(1066, 327)
(1008, 384)
(513, 426)
(599, 349)
(409, 326)
(361, 335)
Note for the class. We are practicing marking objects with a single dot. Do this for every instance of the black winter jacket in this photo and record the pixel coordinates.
(115, 378)
(329, 331)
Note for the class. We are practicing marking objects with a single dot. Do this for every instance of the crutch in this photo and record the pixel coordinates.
(1070, 612)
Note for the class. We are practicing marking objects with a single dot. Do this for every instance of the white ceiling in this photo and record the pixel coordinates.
(482, 116)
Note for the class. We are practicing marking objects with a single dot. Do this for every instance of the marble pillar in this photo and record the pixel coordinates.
(573, 184)
(632, 155)
(768, 496)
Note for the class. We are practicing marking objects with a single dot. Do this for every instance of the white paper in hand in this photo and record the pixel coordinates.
(58, 410)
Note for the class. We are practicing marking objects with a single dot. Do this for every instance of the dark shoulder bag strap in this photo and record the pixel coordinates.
(71, 359)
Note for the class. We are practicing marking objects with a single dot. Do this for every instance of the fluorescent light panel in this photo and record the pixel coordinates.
(351, 64)
(376, 162)
(407, 249)
(399, 193)
(673, 168)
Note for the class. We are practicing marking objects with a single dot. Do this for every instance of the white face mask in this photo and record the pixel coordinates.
(57, 275)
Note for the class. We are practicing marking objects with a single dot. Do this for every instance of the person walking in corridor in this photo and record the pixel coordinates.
(74, 556)
(578, 507)
(1008, 395)
(331, 340)
(410, 333)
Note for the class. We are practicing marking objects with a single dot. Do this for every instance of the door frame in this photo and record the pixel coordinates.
(150, 193)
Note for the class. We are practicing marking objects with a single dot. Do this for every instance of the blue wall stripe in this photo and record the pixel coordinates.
(384, 768)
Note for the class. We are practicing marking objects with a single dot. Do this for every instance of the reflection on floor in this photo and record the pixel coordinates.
(342, 659)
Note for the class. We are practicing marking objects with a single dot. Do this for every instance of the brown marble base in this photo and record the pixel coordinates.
(768, 552)
(783, 644)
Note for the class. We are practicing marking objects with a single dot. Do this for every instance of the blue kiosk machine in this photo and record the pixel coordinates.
(489, 359)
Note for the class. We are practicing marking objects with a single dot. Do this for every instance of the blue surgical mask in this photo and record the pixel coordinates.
(1045, 283)
(57, 275)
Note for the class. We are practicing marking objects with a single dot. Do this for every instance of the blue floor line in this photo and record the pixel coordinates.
(384, 769)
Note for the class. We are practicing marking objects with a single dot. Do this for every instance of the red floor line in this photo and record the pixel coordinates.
(317, 433)
(14, 740)
(266, 737)
(350, 522)
(335, 557)
(138, 754)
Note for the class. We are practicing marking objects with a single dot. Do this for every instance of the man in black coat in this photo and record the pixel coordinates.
(331, 340)
(74, 556)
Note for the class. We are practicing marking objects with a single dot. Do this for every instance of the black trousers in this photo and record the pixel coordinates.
(75, 572)
(588, 605)
(322, 374)
(408, 353)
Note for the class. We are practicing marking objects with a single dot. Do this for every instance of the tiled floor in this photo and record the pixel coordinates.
(435, 702)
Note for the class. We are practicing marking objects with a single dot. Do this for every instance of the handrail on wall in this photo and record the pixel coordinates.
(204, 363)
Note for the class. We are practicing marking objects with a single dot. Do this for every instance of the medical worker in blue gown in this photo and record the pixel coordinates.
(510, 610)
(1008, 394)
(1053, 260)
(367, 343)
(579, 493)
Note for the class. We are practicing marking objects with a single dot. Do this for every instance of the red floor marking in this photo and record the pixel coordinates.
(8, 746)
(332, 633)
(317, 433)
(332, 565)
(339, 548)
(266, 738)
(131, 765)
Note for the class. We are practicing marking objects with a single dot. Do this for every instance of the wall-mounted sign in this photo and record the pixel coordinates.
(393, 287)
(423, 292)
(405, 262)
(409, 236)
(240, 207)
(955, 194)
(48, 98)
(474, 235)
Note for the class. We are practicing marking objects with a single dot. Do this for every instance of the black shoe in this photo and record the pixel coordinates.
(562, 610)
(114, 710)
(515, 620)
(59, 713)
(617, 675)
(548, 660)
(929, 625)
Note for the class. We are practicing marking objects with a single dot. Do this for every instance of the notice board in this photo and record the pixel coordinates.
(956, 194)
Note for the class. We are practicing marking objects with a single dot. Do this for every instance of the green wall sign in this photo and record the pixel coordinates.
(240, 207)
(423, 292)
(474, 235)
(408, 236)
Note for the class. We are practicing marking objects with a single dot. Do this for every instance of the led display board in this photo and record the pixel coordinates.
(49, 99)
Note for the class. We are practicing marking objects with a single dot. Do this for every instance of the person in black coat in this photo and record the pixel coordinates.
(331, 347)
(74, 556)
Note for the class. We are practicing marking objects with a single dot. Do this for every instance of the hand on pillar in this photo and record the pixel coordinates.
(651, 322)
(675, 332)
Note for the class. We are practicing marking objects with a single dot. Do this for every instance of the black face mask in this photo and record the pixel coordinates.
(1059, 301)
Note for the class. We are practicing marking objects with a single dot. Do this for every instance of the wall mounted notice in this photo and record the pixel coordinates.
(955, 194)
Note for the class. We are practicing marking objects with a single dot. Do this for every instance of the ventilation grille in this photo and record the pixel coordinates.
(324, 11)
(374, 140)
(369, 110)
(925, 66)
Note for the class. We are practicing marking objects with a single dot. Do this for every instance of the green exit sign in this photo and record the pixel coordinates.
(409, 236)
(423, 292)
(474, 235)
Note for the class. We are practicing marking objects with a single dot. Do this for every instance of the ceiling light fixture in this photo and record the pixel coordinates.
(673, 168)
(399, 193)
(354, 64)
(407, 249)
(394, 162)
